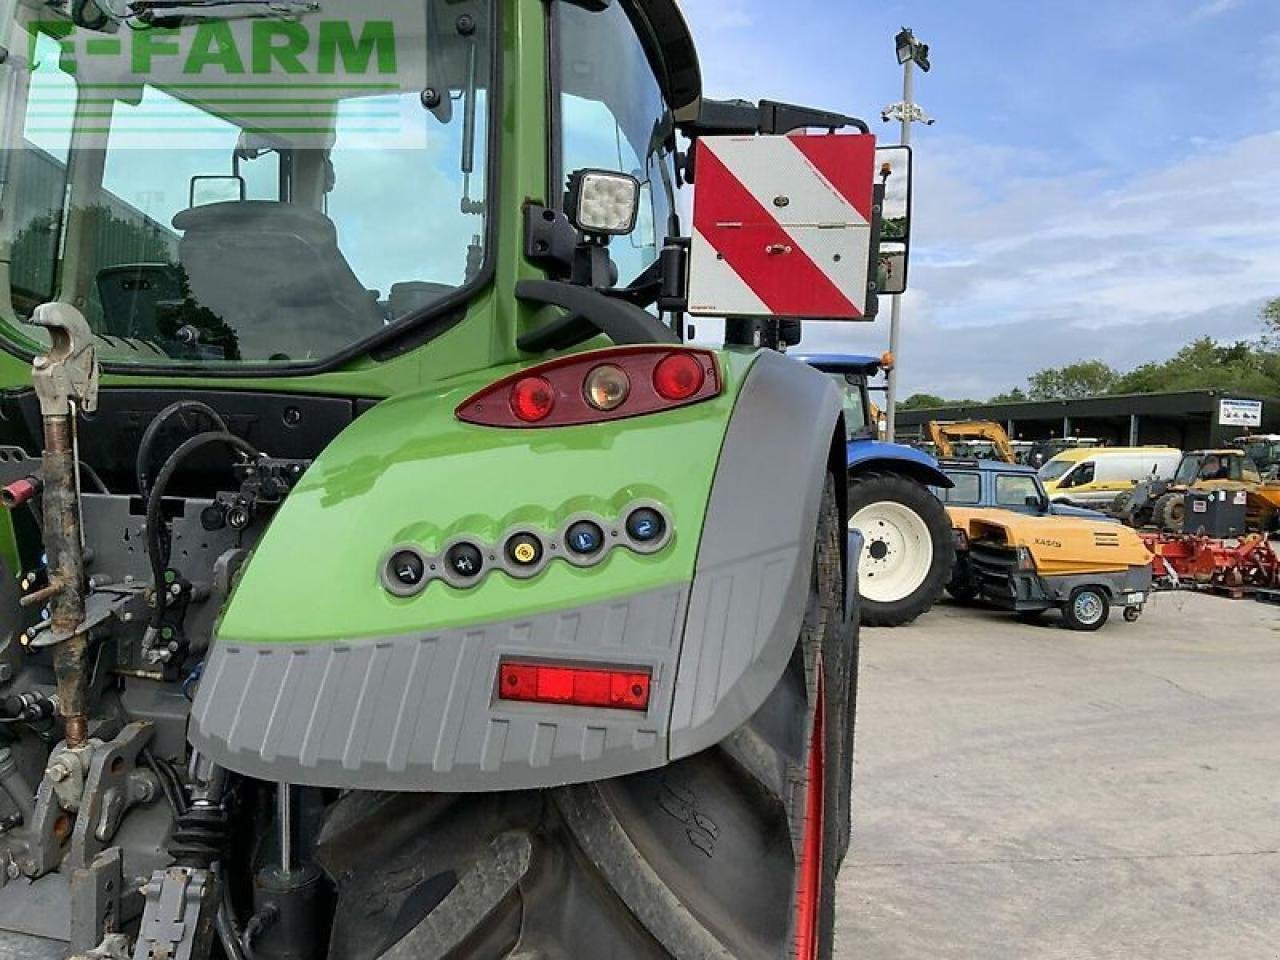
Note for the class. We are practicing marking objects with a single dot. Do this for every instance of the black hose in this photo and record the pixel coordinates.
(156, 550)
(172, 790)
(153, 431)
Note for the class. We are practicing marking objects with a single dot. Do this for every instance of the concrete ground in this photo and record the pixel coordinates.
(1028, 793)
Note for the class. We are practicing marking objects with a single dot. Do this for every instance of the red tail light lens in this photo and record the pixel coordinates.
(532, 399)
(678, 377)
(597, 387)
(574, 686)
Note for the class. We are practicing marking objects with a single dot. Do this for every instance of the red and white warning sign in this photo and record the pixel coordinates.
(782, 226)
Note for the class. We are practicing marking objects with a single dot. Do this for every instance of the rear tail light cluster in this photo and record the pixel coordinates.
(597, 387)
(585, 540)
(562, 685)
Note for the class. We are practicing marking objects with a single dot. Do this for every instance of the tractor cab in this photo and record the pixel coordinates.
(1263, 450)
(1205, 468)
(852, 375)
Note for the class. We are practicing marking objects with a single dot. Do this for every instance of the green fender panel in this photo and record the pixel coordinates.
(321, 676)
(408, 472)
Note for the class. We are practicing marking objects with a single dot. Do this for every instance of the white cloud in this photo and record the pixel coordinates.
(1019, 266)
(1214, 8)
(707, 16)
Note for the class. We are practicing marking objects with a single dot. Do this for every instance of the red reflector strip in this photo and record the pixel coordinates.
(574, 686)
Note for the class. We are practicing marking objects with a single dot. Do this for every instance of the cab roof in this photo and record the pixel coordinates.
(992, 466)
(841, 362)
(673, 50)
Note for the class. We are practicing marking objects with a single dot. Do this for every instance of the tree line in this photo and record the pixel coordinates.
(1246, 366)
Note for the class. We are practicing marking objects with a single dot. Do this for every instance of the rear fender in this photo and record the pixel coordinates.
(319, 676)
(751, 583)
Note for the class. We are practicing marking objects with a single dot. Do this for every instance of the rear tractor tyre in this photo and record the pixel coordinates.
(1170, 512)
(731, 854)
(1087, 609)
(909, 547)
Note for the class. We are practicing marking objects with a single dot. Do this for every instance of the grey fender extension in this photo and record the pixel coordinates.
(756, 557)
(417, 712)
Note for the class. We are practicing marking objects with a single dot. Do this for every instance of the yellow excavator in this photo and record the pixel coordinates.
(946, 435)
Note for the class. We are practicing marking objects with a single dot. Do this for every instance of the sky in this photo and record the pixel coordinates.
(1102, 180)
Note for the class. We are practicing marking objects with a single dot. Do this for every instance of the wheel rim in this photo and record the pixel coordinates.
(809, 869)
(897, 554)
(1088, 608)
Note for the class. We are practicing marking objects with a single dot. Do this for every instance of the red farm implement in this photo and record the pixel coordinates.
(1203, 562)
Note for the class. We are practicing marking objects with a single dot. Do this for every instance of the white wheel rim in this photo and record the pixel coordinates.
(898, 551)
(1088, 608)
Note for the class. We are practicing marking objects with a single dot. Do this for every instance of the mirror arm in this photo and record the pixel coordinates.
(618, 320)
(873, 268)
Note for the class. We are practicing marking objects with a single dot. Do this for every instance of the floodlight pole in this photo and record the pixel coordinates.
(895, 321)
(911, 54)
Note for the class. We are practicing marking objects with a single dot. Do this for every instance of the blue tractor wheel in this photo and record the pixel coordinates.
(909, 549)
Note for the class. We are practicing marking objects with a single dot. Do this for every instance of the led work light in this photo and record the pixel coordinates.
(603, 203)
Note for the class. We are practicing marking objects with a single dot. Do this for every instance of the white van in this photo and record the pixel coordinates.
(1094, 477)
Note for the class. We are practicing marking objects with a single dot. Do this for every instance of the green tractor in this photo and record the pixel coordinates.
(383, 576)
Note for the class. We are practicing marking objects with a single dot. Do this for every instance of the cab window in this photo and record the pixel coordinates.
(967, 489)
(1081, 475)
(1013, 490)
(613, 116)
(854, 400)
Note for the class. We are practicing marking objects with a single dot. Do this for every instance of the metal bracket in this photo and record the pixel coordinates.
(69, 372)
(177, 923)
(96, 892)
(114, 784)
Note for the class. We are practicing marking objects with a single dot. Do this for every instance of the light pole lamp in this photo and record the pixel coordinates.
(911, 54)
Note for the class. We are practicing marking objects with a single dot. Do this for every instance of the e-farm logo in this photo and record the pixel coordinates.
(309, 82)
(222, 50)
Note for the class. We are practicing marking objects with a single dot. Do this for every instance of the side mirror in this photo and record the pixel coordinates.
(894, 170)
(603, 203)
(1038, 502)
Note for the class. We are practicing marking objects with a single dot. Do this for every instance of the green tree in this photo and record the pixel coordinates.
(921, 401)
(1206, 364)
(1075, 381)
(1271, 315)
(1016, 395)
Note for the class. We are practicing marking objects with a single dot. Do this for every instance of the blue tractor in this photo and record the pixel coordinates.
(909, 548)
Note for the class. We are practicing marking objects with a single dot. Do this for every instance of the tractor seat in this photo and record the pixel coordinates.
(274, 271)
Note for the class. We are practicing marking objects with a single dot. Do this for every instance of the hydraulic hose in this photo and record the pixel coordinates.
(153, 431)
(156, 551)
